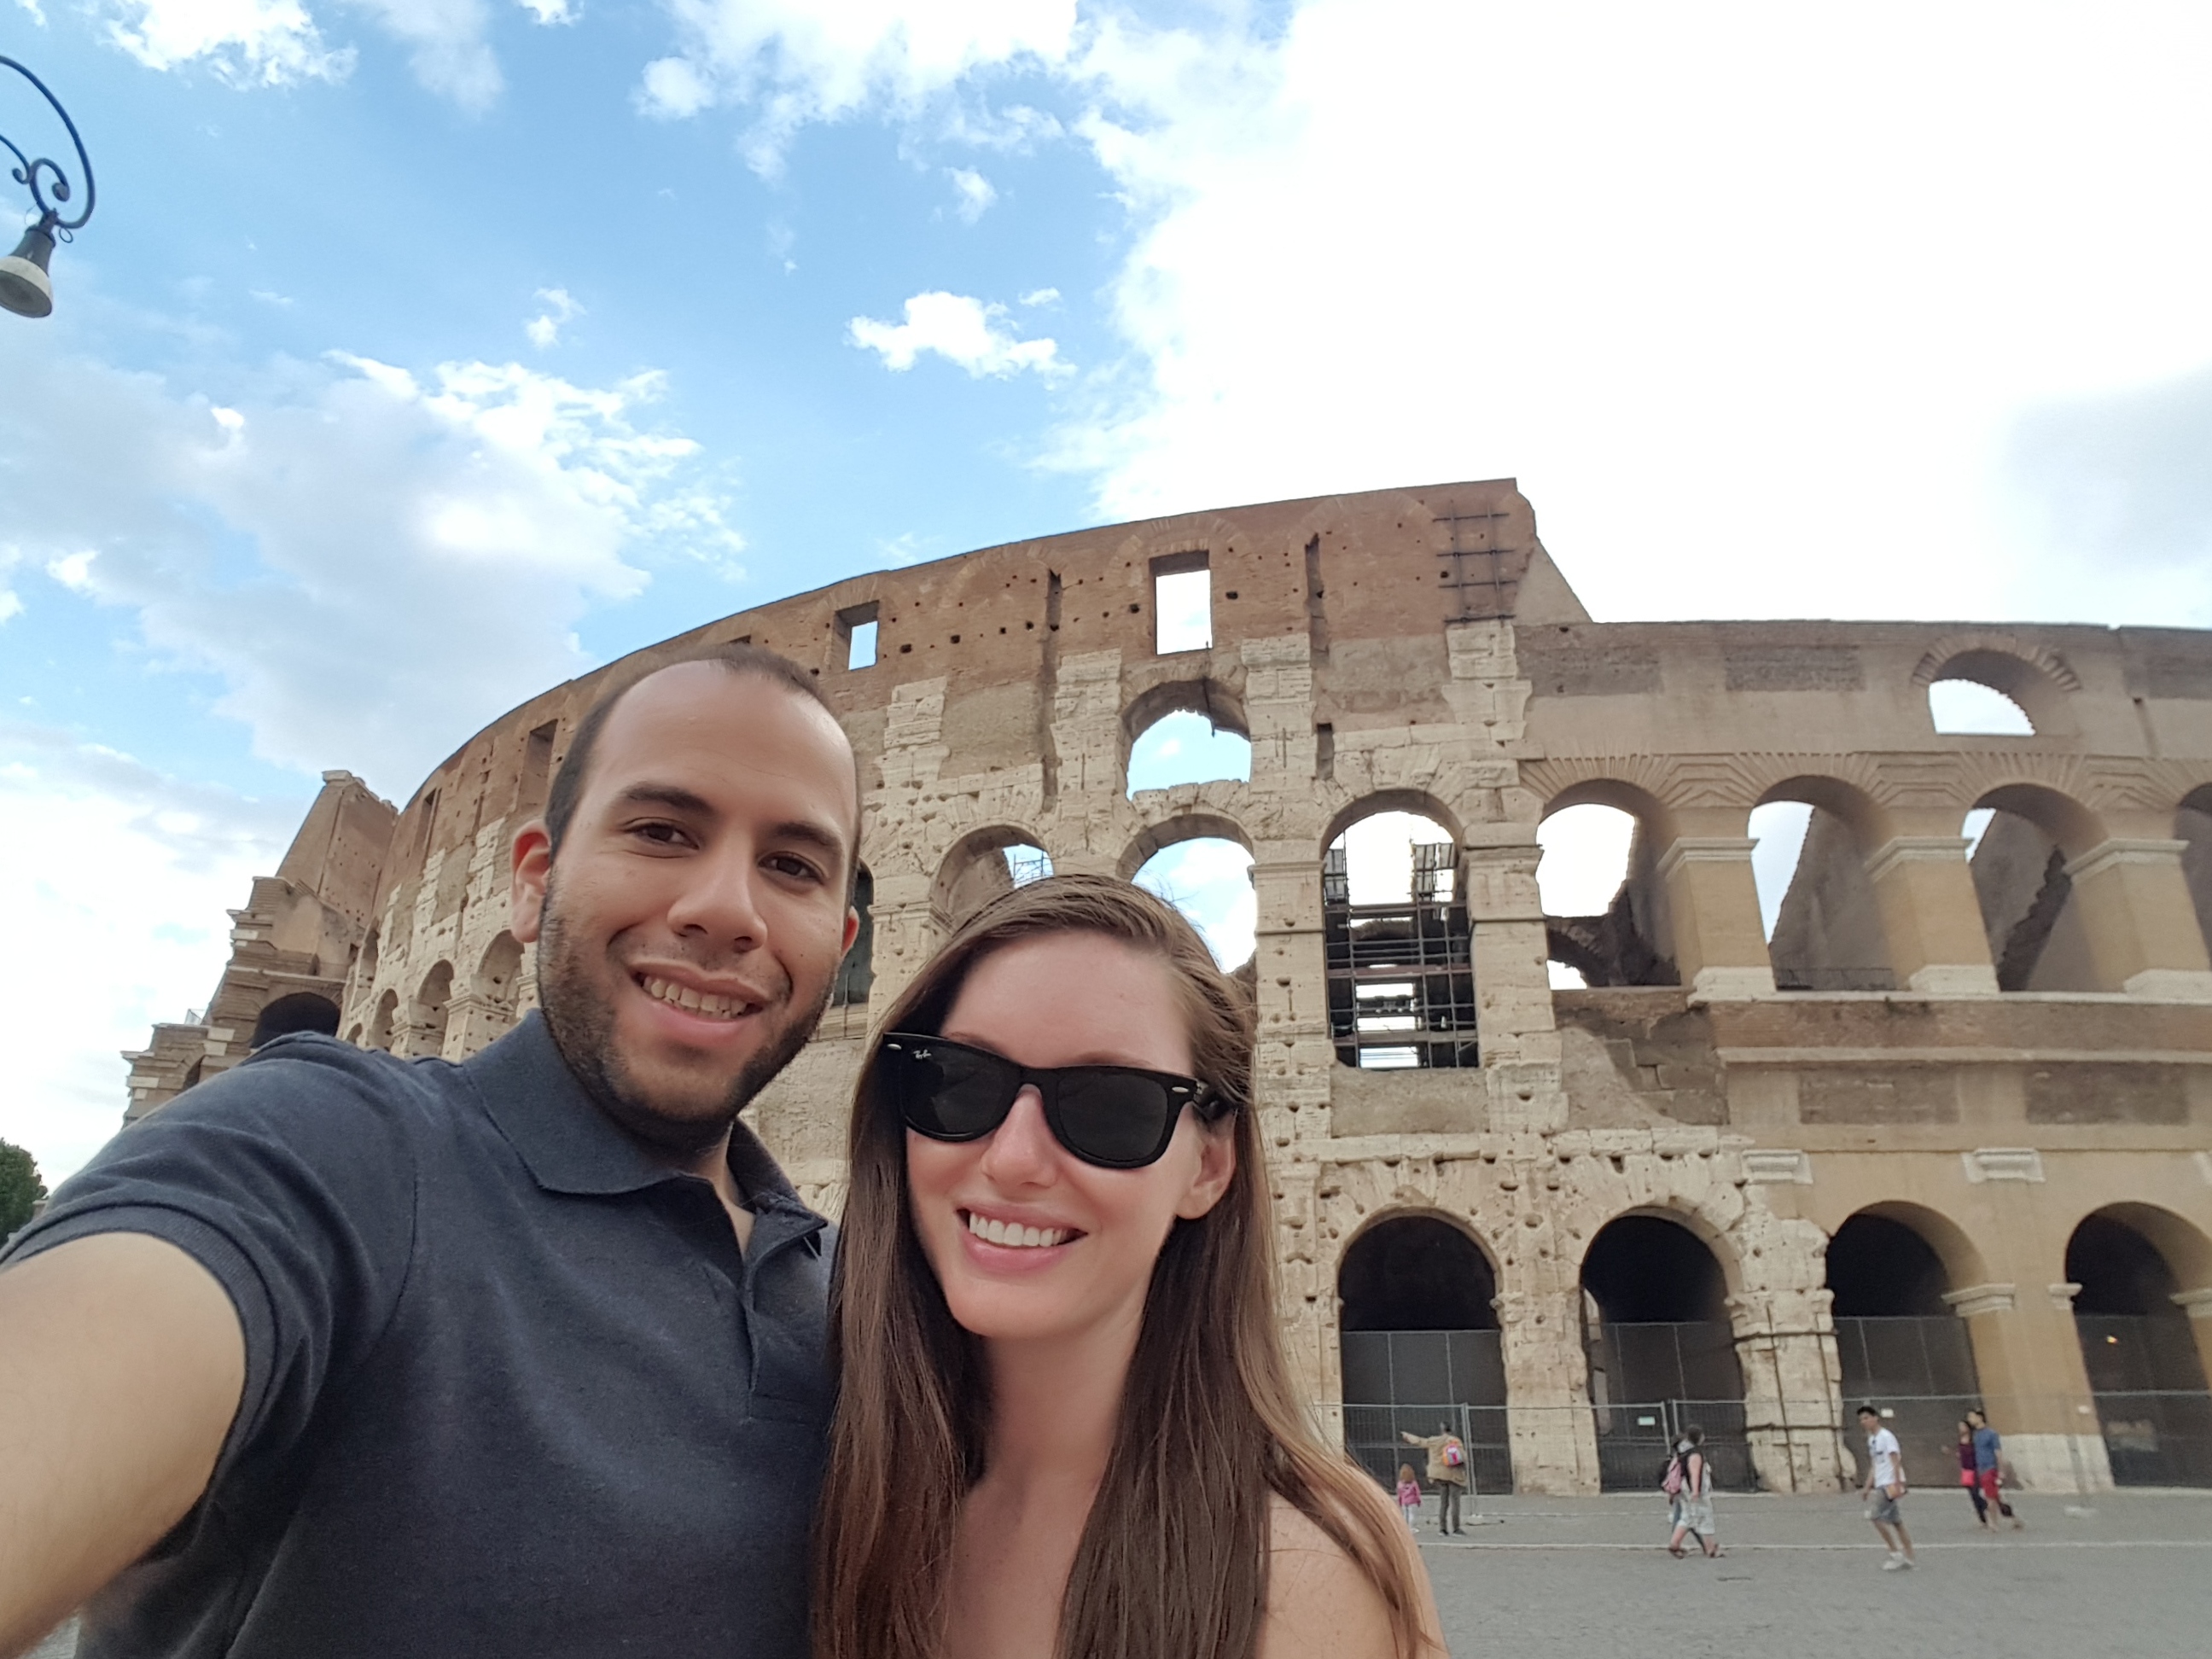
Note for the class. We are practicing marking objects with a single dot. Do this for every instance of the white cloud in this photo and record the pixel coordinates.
(1210, 881)
(965, 330)
(796, 61)
(1040, 296)
(976, 193)
(251, 42)
(37, 15)
(277, 42)
(422, 547)
(95, 850)
(544, 328)
(1748, 300)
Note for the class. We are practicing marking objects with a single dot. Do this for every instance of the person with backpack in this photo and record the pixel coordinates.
(1989, 1456)
(1689, 1482)
(1447, 1473)
(1409, 1497)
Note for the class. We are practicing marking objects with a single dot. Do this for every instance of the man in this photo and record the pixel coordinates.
(1447, 1473)
(1988, 1457)
(1884, 1490)
(341, 1355)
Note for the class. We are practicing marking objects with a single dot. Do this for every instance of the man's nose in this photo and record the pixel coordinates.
(1021, 1151)
(719, 901)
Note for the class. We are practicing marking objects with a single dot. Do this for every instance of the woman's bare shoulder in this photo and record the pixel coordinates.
(1320, 1604)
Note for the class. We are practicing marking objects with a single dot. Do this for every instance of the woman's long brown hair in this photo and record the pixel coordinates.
(1173, 1560)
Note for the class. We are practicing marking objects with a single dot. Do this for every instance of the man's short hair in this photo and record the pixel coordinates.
(740, 660)
(1870, 1410)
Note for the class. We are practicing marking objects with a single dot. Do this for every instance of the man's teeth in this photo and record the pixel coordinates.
(1016, 1236)
(684, 997)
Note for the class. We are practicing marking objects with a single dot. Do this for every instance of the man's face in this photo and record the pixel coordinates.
(690, 931)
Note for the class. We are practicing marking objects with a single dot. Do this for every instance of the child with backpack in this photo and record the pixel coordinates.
(1689, 1482)
(1409, 1497)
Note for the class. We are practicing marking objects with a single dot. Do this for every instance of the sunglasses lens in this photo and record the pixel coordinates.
(1112, 1118)
(946, 1092)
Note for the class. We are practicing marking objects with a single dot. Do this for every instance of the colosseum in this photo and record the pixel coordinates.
(1934, 1129)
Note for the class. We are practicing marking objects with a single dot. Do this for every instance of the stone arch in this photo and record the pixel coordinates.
(974, 871)
(1714, 1233)
(2141, 1280)
(1417, 1210)
(1222, 706)
(1418, 802)
(1963, 1262)
(497, 970)
(1630, 942)
(856, 974)
(1182, 827)
(353, 1035)
(1829, 934)
(383, 1023)
(1398, 962)
(2039, 938)
(2039, 681)
(427, 1017)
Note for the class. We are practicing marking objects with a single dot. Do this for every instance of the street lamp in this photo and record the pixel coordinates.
(25, 287)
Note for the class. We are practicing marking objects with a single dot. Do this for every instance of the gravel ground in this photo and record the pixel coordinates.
(2119, 1576)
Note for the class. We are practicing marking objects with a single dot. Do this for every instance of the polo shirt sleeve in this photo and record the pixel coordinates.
(290, 1178)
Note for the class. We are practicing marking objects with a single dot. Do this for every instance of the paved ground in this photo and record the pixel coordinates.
(2123, 1576)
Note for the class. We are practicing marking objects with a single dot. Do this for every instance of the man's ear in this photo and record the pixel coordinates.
(533, 868)
(1217, 1167)
(852, 930)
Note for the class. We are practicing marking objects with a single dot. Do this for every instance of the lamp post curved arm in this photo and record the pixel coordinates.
(25, 287)
(26, 168)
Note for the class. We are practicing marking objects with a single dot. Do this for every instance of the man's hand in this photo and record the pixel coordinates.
(121, 1364)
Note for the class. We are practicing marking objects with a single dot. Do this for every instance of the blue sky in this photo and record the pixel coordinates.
(424, 352)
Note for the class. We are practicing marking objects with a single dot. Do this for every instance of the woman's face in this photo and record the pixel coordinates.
(1059, 999)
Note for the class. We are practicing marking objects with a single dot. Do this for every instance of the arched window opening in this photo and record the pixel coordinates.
(1897, 1339)
(856, 975)
(983, 867)
(1816, 902)
(1598, 920)
(2146, 1371)
(1420, 1348)
(499, 971)
(1398, 946)
(427, 1021)
(2192, 827)
(1186, 747)
(2036, 936)
(303, 1011)
(1969, 708)
(382, 1023)
(1662, 1353)
(1209, 879)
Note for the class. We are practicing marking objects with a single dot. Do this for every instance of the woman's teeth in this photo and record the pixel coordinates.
(1016, 1236)
(691, 1001)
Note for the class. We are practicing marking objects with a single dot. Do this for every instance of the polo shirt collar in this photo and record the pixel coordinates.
(570, 1146)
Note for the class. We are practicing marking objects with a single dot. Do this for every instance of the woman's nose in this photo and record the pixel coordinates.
(1021, 1151)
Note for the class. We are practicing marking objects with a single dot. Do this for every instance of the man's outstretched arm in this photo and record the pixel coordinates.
(122, 1362)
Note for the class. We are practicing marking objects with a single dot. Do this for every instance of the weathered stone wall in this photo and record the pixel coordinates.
(1416, 649)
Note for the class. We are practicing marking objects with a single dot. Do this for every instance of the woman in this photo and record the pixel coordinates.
(1694, 1504)
(1065, 1424)
(1967, 1477)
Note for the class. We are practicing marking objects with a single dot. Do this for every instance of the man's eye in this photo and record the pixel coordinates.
(784, 864)
(661, 835)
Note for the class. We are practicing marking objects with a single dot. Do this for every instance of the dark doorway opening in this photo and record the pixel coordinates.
(1420, 1349)
(1662, 1353)
(1900, 1345)
(2144, 1369)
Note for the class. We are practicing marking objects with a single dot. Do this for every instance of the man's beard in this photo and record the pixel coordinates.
(582, 1022)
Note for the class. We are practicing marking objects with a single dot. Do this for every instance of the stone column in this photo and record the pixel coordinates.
(474, 1021)
(1548, 1415)
(2027, 1359)
(2136, 907)
(1278, 706)
(906, 932)
(1294, 1060)
(2197, 1304)
(1785, 1346)
(1931, 916)
(1712, 902)
(1515, 1023)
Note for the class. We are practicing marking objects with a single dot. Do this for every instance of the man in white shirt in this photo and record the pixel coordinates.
(1885, 1486)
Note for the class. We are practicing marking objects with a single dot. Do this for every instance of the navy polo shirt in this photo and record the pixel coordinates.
(511, 1387)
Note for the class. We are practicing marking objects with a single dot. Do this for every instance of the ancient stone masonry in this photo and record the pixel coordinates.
(1737, 1176)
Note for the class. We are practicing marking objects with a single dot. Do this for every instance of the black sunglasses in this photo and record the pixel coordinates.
(1119, 1117)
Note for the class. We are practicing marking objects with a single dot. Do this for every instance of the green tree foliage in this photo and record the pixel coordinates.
(19, 1186)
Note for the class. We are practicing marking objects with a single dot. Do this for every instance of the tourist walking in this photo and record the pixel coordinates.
(1447, 1473)
(1967, 1477)
(1989, 1464)
(1693, 1480)
(1884, 1491)
(1409, 1497)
